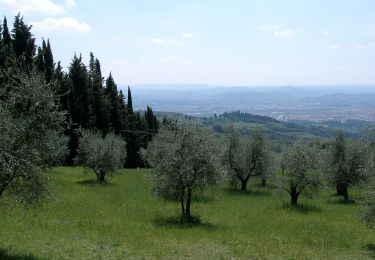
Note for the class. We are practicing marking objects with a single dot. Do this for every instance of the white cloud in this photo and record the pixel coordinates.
(187, 35)
(160, 41)
(113, 39)
(277, 30)
(33, 6)
(269, 28)
(360, 46)
(70, 3)
(174, 59)
(334, 47)
(283, 33)
(325, 33)
(65, 24)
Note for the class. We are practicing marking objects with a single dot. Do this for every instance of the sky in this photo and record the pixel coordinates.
(217, 42)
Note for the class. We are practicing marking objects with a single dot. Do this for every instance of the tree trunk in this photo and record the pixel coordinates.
(243, 185)
(340, 188)
(294, 196)
(3, 186)
(182, 198)
(188, 202)
(264, 181)
(345, 193)
(101, 176)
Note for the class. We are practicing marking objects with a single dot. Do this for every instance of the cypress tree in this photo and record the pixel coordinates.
(23, 43)
(80, 109)
(130, 102)
(6, 38)
(49, 65)
(101, 108)
(114, 105)
(5, 44)
(39, 60)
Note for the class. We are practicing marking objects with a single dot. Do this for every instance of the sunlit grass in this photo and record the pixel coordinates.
(121, 219)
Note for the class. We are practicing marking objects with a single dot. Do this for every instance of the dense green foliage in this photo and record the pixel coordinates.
(88, 100)
(122, 220)
(30, 135)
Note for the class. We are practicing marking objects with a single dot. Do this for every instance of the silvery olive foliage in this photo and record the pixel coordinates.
(299, 171)
(347, 164)
(102, 155)
(247, 156)
(184, 158)
(368, 208)
(31, 138)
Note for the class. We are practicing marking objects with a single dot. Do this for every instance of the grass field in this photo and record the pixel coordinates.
(122, 220)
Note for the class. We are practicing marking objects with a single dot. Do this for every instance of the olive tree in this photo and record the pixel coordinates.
(299, 171)
(247, 156)
(368, 208)
(346, 164)
(31, 137)
(102, 155)
(184, 158)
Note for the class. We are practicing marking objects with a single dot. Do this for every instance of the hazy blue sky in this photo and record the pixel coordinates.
(232, 42)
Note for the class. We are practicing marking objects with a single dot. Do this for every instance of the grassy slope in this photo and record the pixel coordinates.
(122, 219)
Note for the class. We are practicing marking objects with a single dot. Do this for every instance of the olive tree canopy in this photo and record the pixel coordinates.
(299, 171)
(247, 157)
(31, 137)
(102, 155)
(184, 158)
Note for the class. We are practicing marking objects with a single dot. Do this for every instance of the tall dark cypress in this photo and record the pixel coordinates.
(39, 60)
(101, 107)
(80, 109)
(130, 102)
(114, 105)
(23, 43)
(6, 38)
(6, 52)
(49, 65)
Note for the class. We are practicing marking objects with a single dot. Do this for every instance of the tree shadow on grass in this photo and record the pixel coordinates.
(302, 208)
(370, 247)
(343, 202)
(175, 222)
(203, 198)
(93, 182)
(255, 193)
(5, 254)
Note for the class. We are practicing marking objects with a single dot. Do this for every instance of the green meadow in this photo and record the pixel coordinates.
(119, 220)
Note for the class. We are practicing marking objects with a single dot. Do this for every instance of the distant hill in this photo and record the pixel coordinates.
(279, 131)
(337, 103)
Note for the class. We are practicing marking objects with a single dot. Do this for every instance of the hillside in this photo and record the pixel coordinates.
(277, 130)
(121, 220)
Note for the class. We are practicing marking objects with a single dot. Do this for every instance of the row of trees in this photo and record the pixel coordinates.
(89, 100)
(45, 112)
(186, 157)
